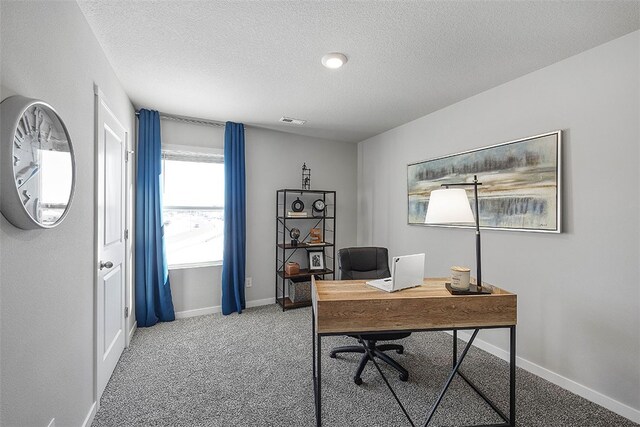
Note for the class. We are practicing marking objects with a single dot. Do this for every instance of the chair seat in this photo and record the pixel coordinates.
(383, 337)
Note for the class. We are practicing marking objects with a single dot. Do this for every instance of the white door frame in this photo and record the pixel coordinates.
(130, 205)
(128, 172)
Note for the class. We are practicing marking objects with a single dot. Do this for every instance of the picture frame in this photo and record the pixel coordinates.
(521, 183)
(316, 260)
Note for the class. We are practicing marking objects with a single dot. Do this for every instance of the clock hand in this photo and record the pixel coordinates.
(34, 171)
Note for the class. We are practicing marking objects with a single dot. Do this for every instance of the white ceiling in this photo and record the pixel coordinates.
(253, 62)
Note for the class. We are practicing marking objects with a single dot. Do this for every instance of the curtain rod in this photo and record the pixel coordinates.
(186, 119)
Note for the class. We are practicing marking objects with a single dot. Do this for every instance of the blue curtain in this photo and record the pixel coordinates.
(153, 292)
(233, 263)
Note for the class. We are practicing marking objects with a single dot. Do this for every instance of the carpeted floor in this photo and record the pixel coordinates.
(254, 369)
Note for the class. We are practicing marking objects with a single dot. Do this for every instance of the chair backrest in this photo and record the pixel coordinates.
(363, 263)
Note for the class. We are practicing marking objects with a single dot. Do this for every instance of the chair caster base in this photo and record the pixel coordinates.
(404, 378)
(400, 351)
(333, 355)
(357, 380)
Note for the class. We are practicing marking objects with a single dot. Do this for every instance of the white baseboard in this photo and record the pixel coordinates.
(133, 330)
(198, 312)
(218, 309)
(557, 379)
(259, 302)
(90, 416)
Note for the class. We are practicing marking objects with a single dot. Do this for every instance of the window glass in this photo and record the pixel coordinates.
(193, 202)
(56, 177)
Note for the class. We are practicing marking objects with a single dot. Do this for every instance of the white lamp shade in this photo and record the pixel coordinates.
(449, 206)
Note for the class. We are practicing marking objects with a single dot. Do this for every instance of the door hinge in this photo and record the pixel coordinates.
(126, 155)
(126, 312)
(126, 234)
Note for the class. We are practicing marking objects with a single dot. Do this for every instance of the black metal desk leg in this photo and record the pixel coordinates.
(455, 347)
(313, 345)
(512, 377)
(319, 388)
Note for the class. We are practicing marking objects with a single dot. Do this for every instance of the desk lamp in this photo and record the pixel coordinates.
(450, 206)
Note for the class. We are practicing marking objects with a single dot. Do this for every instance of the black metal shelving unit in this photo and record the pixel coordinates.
(285, 250)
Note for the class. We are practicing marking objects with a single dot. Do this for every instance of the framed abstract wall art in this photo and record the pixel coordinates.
(521, 183)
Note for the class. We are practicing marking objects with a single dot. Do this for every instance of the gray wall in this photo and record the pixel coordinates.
(46, 295)
(578, 293)
(273, 161)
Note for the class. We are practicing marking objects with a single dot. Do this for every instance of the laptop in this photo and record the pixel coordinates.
(406, 272)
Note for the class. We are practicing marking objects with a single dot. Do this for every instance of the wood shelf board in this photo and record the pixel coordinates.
(303, 245)
(304, 272)
(299, 190)
(306, 217)
(290, 304)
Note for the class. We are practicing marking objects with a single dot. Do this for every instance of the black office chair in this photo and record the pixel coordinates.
(369, 263)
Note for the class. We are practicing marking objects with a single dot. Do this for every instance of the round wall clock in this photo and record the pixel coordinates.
(318, 207)
(37, 177)
(297, 205)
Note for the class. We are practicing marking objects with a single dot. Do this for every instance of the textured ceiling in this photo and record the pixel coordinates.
(254, 62)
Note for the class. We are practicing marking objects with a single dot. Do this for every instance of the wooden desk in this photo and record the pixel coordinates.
(351, 307)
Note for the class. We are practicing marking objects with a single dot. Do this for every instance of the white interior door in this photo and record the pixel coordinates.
(111, 145)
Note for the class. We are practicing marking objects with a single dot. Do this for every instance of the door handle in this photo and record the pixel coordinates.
(107, 264)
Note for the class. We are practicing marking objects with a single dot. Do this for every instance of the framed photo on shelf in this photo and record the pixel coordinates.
(316, 260)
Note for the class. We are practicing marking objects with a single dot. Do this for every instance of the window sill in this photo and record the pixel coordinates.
(195, 265)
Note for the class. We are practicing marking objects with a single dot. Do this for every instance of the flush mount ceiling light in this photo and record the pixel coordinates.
(334, 60)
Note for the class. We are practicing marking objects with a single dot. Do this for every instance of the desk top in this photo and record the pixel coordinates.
(349, 306)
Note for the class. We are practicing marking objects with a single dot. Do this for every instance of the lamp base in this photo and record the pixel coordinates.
(473, 290)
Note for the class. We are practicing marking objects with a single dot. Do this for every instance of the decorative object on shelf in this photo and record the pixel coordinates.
(460, 277)
(318, 208)
(297, 205)
(306, 177)
(524, 192)
(451, 206)
(297, 214)
(37, 180)
(315, 236)
(299, 290)
(292, 268)
(294, 234)
(316, 260)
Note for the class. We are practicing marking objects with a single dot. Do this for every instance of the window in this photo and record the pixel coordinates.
(193, 201)
(56, 180)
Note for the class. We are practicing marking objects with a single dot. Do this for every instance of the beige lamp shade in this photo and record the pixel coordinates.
(449, 206)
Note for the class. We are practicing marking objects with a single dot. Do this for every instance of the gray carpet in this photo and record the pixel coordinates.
(254, 369)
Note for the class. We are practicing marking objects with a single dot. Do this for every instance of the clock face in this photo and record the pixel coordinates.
(319, 205)
(294, 233)
(42, 164)
(297, 205)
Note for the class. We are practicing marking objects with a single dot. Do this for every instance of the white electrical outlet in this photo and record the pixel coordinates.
(248, 282)
(52, 423)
